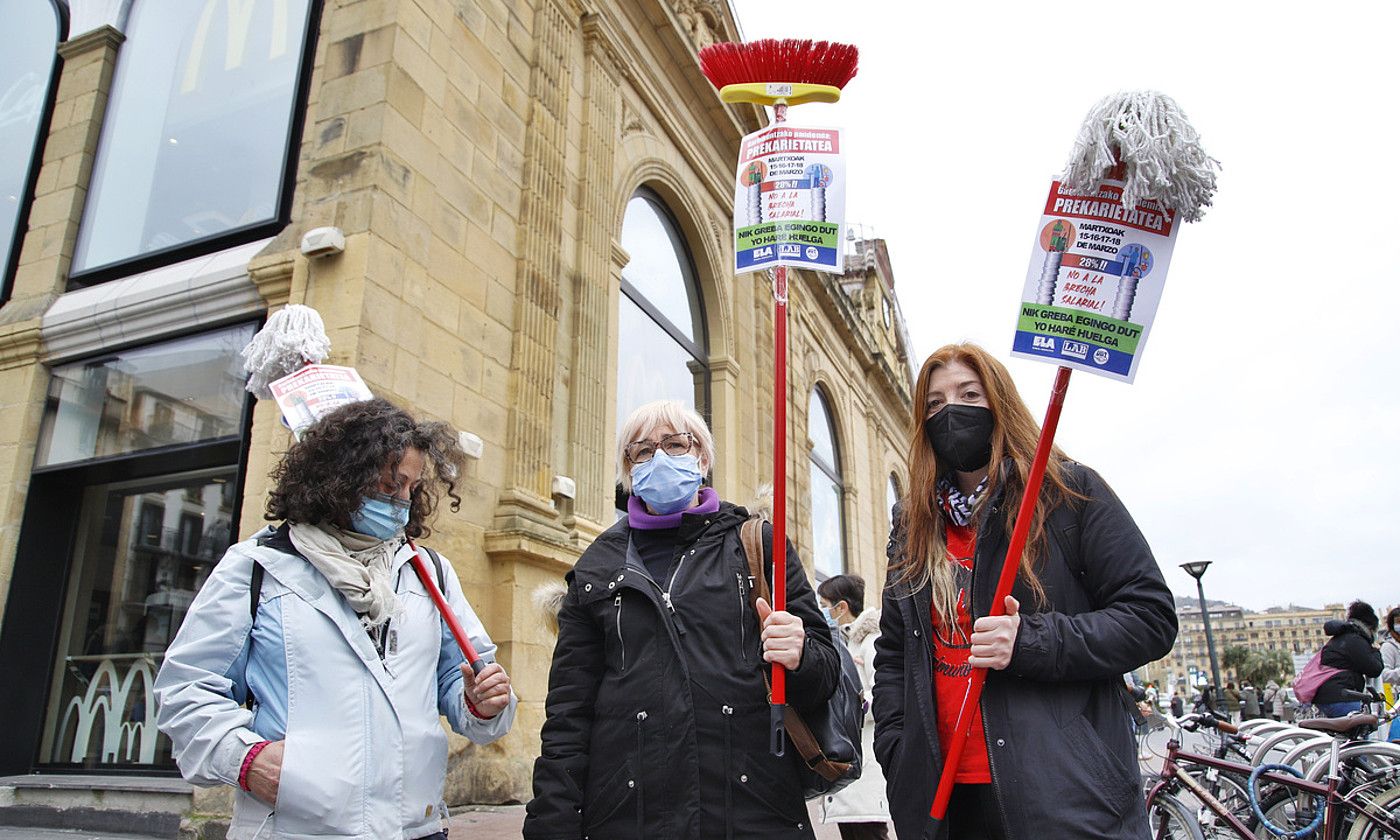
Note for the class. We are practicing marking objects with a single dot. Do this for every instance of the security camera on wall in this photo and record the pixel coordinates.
(322, 242)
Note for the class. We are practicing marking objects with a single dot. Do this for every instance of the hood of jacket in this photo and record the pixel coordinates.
(866, 624)
(1340, 627)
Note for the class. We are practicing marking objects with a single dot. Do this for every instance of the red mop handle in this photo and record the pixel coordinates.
(448, 615)
(963, 728)
(777, 733)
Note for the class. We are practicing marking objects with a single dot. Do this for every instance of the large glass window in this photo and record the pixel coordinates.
(828, 510)
(662, 345)
(179, 392)
(143, 549)
(199, 128)
(28, 40)
(144, 446)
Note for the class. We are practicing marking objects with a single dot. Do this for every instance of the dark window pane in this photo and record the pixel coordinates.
(197, 130)
(660, 267)
(181, 391)
(142, 551)
(28, 39)
(891, 495)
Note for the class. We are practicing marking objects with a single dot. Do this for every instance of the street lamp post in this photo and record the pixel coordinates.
(1197, 570)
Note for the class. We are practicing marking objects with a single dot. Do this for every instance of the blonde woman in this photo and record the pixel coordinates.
(656, 722)
(1052, 751)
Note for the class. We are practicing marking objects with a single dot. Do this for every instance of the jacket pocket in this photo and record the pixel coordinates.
(322, 790)
(768, 793)
(606, 798)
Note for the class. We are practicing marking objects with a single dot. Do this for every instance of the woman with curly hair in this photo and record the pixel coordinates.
(1051, 752)
(312, 669)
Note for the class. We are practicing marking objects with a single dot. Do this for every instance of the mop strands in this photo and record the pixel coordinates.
(1161, 153)
(293, 337)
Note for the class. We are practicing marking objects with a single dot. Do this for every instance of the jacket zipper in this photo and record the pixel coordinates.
(640, 771)
(675, 573)
(728, 712)
(617, 602)
(743, 613)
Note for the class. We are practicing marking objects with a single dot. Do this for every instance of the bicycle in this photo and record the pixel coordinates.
(1368, 809)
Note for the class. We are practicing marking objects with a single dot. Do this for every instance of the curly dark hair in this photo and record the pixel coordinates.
(324, 477)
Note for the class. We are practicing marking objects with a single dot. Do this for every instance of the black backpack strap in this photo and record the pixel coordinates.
(441, 575)
(255, 590)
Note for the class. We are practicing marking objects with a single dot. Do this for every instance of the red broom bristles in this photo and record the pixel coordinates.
(792, 60)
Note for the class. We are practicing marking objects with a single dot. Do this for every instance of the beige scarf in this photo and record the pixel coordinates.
(357, 566)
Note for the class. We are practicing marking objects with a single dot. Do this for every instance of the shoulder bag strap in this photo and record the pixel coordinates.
(751, 533)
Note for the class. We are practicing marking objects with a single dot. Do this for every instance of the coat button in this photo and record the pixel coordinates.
(744, 778)
(631, 783)
(1001, 742)
(588, 587)
(619, 578)
(916, 634)
(611, 585)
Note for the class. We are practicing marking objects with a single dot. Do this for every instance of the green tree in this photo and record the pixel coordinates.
(1233, 658)
(1262, 666)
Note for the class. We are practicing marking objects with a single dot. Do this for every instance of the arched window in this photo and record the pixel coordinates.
(200, 133)
(828, 519)
(891, 497)
(662, 349)
(28, 47)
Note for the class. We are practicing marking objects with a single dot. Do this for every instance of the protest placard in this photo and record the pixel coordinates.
(314, 391)
(1096, 274)
(789, 199)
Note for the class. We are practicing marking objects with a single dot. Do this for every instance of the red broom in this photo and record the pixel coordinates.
(779, 73)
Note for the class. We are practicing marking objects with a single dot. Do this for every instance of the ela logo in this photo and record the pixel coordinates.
(763, 253)
(1043, 342)
(1075, 350)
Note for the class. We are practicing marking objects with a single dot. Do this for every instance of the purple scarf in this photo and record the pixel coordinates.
(639, 517)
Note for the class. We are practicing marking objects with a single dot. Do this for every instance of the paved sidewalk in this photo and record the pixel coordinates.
(486, 822)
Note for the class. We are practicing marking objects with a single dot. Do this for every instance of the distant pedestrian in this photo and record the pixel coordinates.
(1350, 650)
(1233, 701)
(1266, 701)
(1390, 659)
(1178, 704)
(1249, 698)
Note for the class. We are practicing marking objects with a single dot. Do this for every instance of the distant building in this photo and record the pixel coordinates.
(1292, 629)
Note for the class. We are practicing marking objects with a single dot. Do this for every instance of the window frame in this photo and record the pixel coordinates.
(244, 234)
(36, 157)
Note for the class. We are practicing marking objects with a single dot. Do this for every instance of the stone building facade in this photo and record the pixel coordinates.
(534, 197)
(1294, 630)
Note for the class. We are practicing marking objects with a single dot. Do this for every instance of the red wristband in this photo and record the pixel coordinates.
(248, 764)
(471, 707)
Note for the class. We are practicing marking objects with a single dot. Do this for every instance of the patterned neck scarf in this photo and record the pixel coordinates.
(957, 506)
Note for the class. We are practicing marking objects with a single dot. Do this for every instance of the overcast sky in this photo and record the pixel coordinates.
(1261, 430)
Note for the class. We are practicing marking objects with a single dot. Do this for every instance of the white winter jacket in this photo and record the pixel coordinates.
(365, 754)
(864, 799)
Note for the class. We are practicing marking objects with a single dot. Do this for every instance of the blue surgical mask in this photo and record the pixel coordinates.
(380, 516)
(667, 484)
(830, 621)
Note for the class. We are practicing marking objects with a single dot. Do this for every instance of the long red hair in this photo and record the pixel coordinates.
(925, 557)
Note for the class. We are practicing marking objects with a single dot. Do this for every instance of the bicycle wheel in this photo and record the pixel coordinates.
(1365, 826)
(1170, 819)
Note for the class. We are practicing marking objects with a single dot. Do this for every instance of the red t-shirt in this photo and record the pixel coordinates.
(951, 674)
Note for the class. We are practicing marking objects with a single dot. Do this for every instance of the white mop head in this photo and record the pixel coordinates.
(1161, 151)
(292, 337)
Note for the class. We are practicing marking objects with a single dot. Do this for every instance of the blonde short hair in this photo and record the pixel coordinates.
(679, 416)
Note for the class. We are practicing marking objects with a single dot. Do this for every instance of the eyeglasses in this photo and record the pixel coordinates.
(676, 445)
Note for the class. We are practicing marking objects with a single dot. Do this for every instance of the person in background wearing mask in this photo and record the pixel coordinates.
(1052, 751)
(656, 721)
(1390, 664)
(860, 809)
(319, 693)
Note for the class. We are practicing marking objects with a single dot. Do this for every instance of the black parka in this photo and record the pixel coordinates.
(1059, 735)
(1351, 651)
(656, 723)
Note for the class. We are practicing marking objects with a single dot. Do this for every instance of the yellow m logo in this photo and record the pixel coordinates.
(239, 17)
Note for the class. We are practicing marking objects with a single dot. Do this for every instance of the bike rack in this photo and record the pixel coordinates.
(1292, 733)
(1385, 749)
(1295, 756)
(1258, 726)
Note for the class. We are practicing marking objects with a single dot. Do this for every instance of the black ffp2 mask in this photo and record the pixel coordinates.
(961, 436)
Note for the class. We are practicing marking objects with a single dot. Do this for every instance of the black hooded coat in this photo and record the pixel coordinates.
(1059, 733)
(656, 722)
(1349, 649)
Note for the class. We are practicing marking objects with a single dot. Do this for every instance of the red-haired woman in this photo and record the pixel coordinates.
(1052, 751)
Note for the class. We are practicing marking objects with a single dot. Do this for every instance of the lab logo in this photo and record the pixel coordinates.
(811, 252)
(1043, 342)
(1100, 356)
(789, 250)
(1075, 350)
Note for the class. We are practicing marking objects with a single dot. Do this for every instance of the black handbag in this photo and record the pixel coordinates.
(829, 741)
